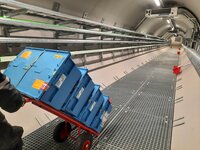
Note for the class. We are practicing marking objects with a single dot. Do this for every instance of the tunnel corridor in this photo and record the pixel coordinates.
(142, 54)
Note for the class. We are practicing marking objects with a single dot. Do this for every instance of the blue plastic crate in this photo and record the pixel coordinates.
(80, 97)
(50, 76)
(63, 86)
(22, 63)
(44, 72)
(93, 106)
(102, 116)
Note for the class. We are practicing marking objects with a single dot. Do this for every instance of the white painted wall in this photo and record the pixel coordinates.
(31, 117)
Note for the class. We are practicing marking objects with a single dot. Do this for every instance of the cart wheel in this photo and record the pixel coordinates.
(85, 141)
(62, 131)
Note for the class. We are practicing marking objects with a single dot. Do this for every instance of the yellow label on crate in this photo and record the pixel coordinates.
(58, 56)
(38, 84)
(26, 54)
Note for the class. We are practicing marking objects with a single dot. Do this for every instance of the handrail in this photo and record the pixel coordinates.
(83, 52)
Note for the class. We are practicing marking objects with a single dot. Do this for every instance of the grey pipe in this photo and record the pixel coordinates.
(194, 57)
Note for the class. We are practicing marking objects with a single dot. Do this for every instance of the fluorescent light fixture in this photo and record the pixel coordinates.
(168, 21)
(157, 2)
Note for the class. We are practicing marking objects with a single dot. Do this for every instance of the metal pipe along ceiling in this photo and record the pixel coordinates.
(45, 26)
(67, 41)
(58, 15)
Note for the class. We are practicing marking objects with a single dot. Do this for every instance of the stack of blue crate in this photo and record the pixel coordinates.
(52, 77)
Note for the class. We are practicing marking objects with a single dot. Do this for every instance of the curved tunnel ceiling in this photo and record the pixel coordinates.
(158, 26)
(125, 13)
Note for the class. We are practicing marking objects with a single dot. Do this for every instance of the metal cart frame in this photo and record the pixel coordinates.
(63, 129)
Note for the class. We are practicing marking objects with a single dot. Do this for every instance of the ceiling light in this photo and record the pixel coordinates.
(157, 2)
(168, 21)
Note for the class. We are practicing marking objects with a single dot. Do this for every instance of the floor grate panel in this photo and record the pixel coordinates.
(142, 116)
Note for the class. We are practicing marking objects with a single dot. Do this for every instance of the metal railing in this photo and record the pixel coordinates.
(94, 51)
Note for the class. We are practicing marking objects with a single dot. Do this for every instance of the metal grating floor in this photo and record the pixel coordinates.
(142, 116)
